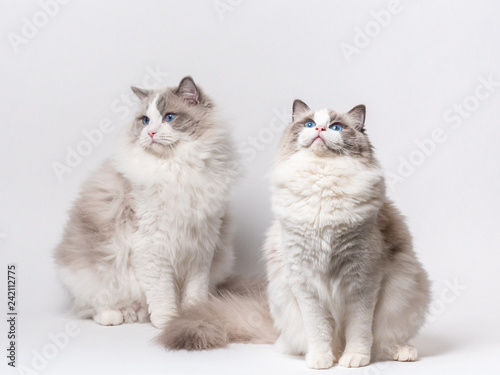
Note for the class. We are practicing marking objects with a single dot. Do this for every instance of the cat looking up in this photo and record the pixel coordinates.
(344, 282)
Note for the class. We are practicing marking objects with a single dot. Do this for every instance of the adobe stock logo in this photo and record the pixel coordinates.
(250, 148)
(454, 117)
(364, 36)
(224, 6)
(57, 343)
(31, 26)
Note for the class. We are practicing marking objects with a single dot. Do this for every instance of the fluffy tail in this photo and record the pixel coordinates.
(238, 313)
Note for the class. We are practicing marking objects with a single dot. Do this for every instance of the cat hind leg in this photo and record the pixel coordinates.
(399, 316)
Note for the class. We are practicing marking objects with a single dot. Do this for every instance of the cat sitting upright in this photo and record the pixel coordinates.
(149, 232)
(344, 282)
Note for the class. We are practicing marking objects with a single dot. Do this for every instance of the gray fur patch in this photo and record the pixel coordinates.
(161, 104)
(104, 204)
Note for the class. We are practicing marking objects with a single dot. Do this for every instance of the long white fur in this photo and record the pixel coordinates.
(313, 201)
(165, 247)
(301, 186)
(162, 235)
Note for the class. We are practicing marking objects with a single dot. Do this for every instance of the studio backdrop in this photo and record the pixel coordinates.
(427, 71)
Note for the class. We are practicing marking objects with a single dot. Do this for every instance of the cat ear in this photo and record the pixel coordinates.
(140, 93)
(299, 107)
(188, 91)
(358, 114)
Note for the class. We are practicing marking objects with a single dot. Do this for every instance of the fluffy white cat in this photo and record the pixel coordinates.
(149, 232)
(344, 282)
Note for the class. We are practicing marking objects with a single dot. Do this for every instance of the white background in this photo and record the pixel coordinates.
(254, 59)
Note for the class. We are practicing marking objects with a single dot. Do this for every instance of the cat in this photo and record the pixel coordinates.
(344, 281)
(150, 231)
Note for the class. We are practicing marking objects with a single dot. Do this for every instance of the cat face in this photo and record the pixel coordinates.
(170, 116)
(326, 132)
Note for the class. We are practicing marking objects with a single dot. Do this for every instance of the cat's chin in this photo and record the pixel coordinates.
(160, 149)
(319, 147)
(314, 143)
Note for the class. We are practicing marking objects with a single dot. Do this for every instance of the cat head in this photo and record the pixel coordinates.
(326, 132)
(170, 116)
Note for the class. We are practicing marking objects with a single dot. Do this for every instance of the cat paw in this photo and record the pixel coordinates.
(319, 360)
(354, 360)
(159, 320)
(129, 315)
(109, 318)
(405, 353)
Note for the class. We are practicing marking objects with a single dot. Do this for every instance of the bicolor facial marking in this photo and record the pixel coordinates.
(154, 119)
(322, 118)
(326, 132)
(152, 112)
(314, 132)
(171, 115)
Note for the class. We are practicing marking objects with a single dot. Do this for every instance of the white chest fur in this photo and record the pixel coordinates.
(315, 193)
(320, 202)
(179, 201)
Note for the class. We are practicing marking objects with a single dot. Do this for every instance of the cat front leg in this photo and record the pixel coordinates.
(319, 331)
(196, 285)
(162, 299)
(358, 334)
(157, 282)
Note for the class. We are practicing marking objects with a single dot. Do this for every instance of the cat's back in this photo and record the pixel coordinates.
(103, 208)
(105, 197)
(397, 237)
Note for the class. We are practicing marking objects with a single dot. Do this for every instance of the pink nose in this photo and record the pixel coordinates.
(151, 133)
(320, 129)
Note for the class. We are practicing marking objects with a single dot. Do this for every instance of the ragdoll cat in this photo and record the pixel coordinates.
(149, 232)
(344, 281)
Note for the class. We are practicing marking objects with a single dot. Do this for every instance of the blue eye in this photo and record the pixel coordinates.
(336, 127)
(145, 120)
(309, 124)
(169, 117)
